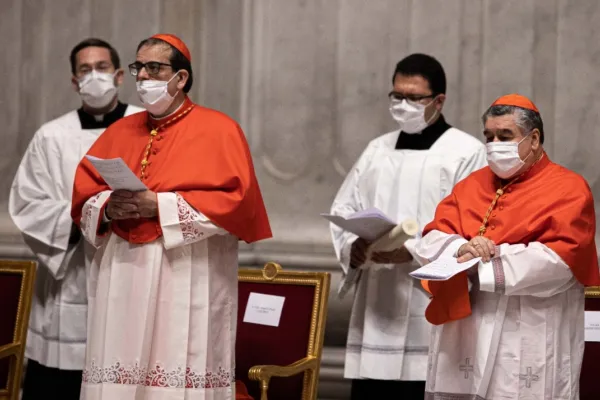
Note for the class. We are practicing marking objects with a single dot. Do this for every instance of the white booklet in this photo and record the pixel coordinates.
(443, 269)
(117, 174)
(369, 224)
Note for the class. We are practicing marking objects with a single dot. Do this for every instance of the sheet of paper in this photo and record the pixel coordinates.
(117, 174)
(411, 246)
(264, 309)
(369, 224)
(443, 269)
(592, 326)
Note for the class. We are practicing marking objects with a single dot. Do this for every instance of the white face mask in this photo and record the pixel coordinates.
(410, 115)
(503, 158)
(97, 89)
(154, 95)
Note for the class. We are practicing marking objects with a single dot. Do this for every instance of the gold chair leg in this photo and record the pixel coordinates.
(264, 387)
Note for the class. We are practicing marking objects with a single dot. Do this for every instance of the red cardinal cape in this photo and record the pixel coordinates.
(202, 155)
(241, 393)
(548, 204)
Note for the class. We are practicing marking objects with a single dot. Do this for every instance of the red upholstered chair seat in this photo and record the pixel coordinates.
(10, 291)
(16, 286)
(590, 369)
(299, 335)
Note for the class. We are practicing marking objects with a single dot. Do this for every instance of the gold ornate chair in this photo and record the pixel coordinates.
(16, 289)
(589, 384)
(282, 361)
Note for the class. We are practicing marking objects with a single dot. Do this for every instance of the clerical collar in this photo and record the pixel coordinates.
(182, 110)
(159, 120)
(89, 121)
(425, 139)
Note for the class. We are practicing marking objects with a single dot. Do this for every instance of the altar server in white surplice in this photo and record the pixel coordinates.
(40, 206)
(404, 173)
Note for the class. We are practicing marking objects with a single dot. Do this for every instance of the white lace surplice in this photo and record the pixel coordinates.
(525, 337)
(40, 206)
(162, 315)
(388, 335)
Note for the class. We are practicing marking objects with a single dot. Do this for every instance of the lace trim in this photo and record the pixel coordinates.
(157, 376)
(188, 217)
(87, 215)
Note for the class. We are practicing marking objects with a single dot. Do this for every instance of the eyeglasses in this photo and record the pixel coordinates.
(409, 97)
(152, 67)
(102, 66)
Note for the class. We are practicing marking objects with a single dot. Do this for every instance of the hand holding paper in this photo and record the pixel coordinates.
(358, 252)
(390, 248)
(443, 269)
(369, 224)
(117, 174)
(132, 205)
(479, 246)
(398, 256)
(395, 238)
(377, 234)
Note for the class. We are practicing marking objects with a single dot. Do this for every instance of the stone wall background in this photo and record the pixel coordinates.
(308, 81)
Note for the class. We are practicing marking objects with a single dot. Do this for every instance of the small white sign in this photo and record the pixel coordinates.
(592, 326)
(264, 309)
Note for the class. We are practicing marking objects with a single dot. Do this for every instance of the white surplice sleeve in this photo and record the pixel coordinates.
(347, 202)
(93, 220)
(525, 270)
(515, 270)
(471, 163)
(39, 210)
(437, 244)
(181, 223)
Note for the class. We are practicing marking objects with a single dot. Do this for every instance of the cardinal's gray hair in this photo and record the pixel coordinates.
(525, 119)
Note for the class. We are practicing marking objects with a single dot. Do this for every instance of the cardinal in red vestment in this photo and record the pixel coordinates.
(512, 325)
(163, 283)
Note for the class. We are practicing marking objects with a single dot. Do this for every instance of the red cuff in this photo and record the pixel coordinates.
(450, 300)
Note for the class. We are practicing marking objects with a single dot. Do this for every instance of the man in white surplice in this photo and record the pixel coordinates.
(40, 206)
(404, 173)
(512, 327)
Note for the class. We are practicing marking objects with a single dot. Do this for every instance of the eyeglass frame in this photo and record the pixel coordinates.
(414, 98)
(100, 66)
(136, 67)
